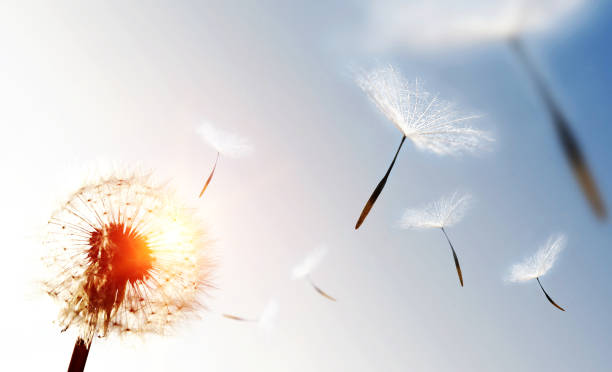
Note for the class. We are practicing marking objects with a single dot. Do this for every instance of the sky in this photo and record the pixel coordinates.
(128, 83)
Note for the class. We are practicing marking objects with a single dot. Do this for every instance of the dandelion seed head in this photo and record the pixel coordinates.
(311, 261)
(540, 263)
(444, 212)
(430, 123)
(124, 257)
(226, 143)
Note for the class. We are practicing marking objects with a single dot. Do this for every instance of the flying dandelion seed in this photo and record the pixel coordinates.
(265, 320)
(539, 264)
(429, 123)
(226, 143)
(124, 258)
(304, 268)
(442, 213)
(571, 148)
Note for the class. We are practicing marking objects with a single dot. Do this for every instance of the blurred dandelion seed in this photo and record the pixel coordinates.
(444, 24)
(265, 320)
(571, 147)
(226, 143)
(304, 268)
(125, 258)
(442, 213)
(539, 264)
(431, 124)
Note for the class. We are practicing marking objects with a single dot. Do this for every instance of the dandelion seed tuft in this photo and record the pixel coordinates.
(444, 212)
(430, 123)
(225, 143)
(304, 268)
(539, 264)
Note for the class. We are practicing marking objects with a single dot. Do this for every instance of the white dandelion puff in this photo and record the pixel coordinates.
(125, 258)
(305, 268)
(309, 263)
(539, 264)
(442, 213)
(430, 123)
(225, 143)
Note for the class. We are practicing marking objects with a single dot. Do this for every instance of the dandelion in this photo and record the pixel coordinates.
(223, 142)
(571, 147)
(304, 268)
(442, 213)
(538, 265)
(124, 258)
(431, 124)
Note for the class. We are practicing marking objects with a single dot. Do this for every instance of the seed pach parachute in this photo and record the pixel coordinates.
(305, 268)
(225, 143)
(431, 124)
(442, 213)
(265, 320)
(124, 257)
(539, 264)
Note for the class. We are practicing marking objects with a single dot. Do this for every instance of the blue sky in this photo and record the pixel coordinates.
(85, 84)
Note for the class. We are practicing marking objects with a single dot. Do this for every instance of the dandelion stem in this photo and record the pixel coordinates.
(79, 355)
(209, 177)
(378, 189)
(320, 291)
(548, 297)
(570, 145)
(455, 257)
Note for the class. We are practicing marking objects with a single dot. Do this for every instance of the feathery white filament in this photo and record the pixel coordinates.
(430, 123)
(540, 263)
(446, 211)
(226, 143)
(310, 263)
